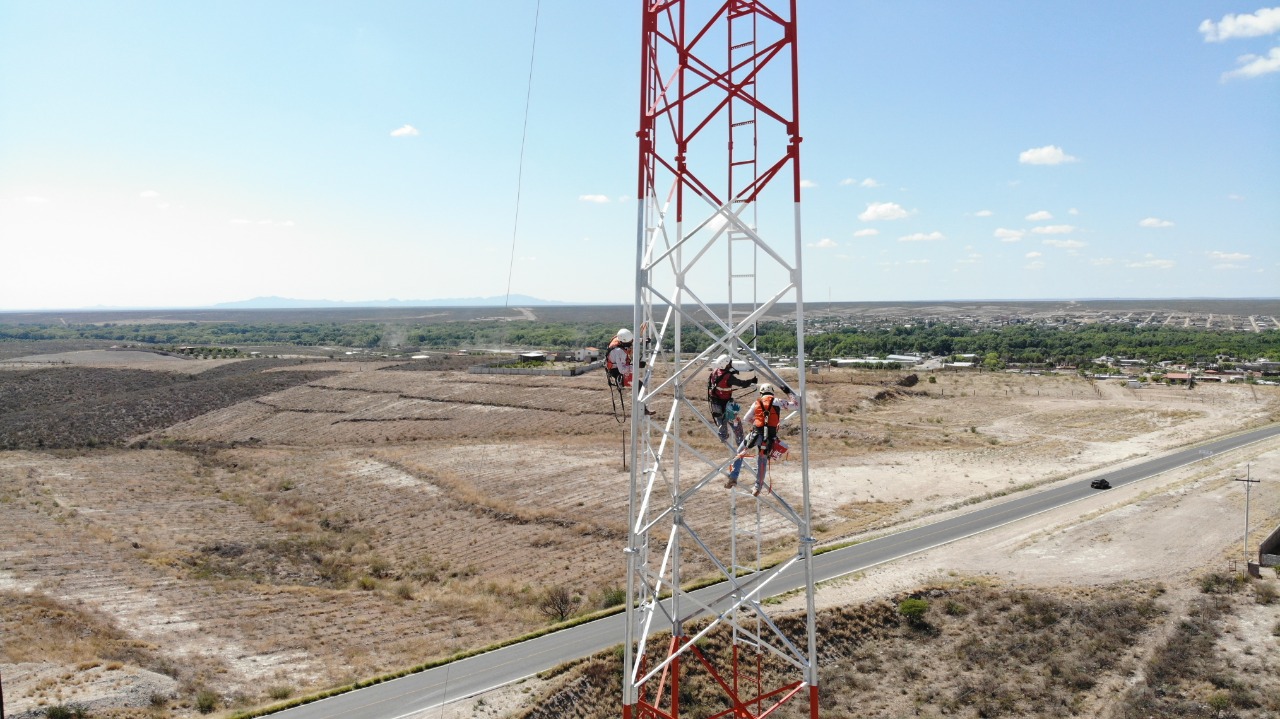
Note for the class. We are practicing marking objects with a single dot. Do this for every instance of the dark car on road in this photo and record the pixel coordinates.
(1100, 483)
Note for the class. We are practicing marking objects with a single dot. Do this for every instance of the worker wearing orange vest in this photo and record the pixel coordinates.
(765, 415)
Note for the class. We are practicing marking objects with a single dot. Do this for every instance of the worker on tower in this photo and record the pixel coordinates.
(720, 385)
(764, 416)
(618, 361)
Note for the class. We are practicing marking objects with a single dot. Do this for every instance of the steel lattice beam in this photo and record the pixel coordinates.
(719, 189)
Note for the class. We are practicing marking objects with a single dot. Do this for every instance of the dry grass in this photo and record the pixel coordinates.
(978, 651)
(287, 539)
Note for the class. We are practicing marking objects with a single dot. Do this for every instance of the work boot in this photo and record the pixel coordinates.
(756, 491)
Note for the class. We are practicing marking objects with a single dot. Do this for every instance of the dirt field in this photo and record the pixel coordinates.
(284, 543)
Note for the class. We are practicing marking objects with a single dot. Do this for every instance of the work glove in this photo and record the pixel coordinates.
(755, 380)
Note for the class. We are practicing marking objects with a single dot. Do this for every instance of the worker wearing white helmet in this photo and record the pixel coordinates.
(720, 385)
(764, 416)
(618, 360)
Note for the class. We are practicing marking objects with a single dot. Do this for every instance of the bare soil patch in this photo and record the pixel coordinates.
(117, 359)
(71, 407)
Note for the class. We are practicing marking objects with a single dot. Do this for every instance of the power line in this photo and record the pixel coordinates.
(524, 133)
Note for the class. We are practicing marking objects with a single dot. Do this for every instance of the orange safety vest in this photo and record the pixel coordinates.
(766, 413)
(614, 344)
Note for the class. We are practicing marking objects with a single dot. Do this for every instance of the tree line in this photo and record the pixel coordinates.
(1029, 344)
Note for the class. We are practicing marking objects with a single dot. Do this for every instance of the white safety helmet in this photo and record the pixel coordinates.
(624, 335)
(722, 362)
(765, 388)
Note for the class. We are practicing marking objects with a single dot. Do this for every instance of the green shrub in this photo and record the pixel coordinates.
(1265, 592)
(206, 701)
(280, 691)
(1218, 583)
(954, 609)
(66, 711)
(613, 597)
(913, 610)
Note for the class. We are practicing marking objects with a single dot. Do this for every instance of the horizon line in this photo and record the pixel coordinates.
(408, 304)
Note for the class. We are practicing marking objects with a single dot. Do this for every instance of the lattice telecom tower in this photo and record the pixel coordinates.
(717, 249)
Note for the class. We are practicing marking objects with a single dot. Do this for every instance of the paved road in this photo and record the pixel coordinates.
(412, 695)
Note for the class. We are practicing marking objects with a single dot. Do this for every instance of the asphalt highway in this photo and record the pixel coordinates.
(415, 694)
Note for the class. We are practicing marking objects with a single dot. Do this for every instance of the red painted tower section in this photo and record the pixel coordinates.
(718, 248)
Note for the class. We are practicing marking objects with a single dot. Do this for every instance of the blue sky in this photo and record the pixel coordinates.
(179, 154)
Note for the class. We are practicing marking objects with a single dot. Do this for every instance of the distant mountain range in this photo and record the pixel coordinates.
(279, 303)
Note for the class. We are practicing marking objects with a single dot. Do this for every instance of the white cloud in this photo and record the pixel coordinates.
(869, 182)
(1154, 222)
(983, 213)
(1255, 65)
(1047, 155)
(867, 232)
(1036, 265)
(1151, 263)
(1228, 256)
(1007, 235)
(922, 237)
(405, 131)
(1032, 255)
(918, 262)
(883, 211)
(1234, 197)
(1040, 216)
(271, 223)
(598, 199)
(35, 200)
(806, 184)
(824, 243)
(1103, 261)
(1073, 211)
(148, 194)
(1065, 244)
(1229, 266)
(1054, 229)
(1262, 22)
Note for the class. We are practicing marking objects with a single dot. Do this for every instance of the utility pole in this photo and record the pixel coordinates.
(1248, 484)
